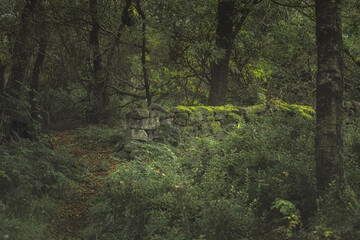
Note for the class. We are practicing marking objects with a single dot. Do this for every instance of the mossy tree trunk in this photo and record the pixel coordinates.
(329, 96)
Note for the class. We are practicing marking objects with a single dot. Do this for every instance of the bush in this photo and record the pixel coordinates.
(105, 137)
(33, 178)
(207, 188)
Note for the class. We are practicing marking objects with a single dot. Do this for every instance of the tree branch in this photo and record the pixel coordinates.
(347, 52)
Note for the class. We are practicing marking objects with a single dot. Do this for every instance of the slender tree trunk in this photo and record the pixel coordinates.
(2, 77)
(98, 89)
(224, 40)
(143, 55)
(143, 62)
(329, 96)
(2, 98)
(34, 84)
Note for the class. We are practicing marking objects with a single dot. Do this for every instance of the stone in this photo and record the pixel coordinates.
(167, 122)
(157, 107)
(220, 115)
(180, 121)
(137, 134)
(196, 117)
(138, 114)
(158, 114)
(183, 115)
(154, 137)
(145, 124)
(204, 111)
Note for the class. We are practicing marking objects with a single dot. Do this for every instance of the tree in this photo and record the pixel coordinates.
(98, 85)
(329, 96)
(22, 48)
(15, 108)
(227, 29)
(220, 67)
(143, 54)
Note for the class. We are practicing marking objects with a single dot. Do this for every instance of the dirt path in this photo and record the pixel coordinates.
(70, 221)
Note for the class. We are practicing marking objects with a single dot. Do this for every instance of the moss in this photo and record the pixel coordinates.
(305, 111)
(182, 115)
(235, 117)
(228, 108)
(181, 108)
(255, 107)
(208, 109)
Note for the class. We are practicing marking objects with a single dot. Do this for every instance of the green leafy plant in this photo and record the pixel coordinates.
(291, 215)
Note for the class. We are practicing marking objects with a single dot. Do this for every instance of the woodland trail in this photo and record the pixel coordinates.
(71, 218)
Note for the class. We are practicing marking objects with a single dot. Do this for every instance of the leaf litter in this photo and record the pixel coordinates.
(72, 216)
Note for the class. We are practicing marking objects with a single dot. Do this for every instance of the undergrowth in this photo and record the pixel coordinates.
(102, 136)
(211, 188)
(33, 181)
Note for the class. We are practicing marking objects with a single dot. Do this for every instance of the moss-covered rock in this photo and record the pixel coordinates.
(305, 111)
(137, 134)
(145, 124)
(138, 114)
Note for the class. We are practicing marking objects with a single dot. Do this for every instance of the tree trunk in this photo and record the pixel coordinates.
(98, 89)
(22, 49)
(329, 96)
(143, 55)
(2, 98)
(16, 108)
(226, 31)
(220, 67)
(34, 84)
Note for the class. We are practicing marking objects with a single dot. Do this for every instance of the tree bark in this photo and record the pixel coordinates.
(98, 89)
(34, 84)
(226, 31)
(224, 40)
(143, 55)
(22, 48)
(329, 96)
(2, 98)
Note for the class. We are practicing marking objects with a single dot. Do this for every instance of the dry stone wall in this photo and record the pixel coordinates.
(145, 125)
(168, 124)
(150, 124)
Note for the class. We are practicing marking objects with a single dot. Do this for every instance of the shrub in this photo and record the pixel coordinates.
(32, 180)
(211, 188)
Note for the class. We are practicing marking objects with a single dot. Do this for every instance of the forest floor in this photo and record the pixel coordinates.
(72, 216)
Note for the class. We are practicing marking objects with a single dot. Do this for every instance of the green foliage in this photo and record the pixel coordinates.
(29, 224)
(352, 155)
(211, 189)
(105, 137)
(291, 215)
(31, 168)
(33, 178)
